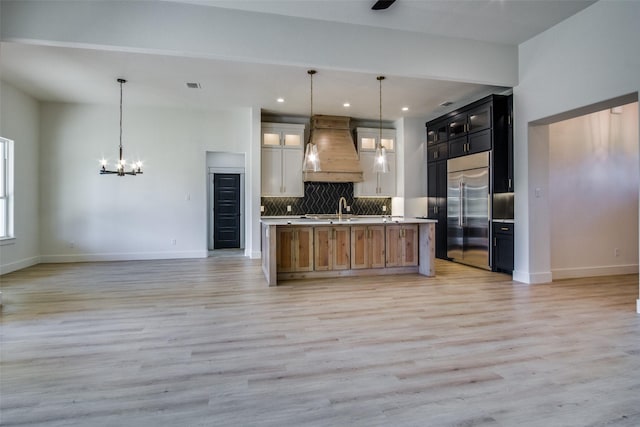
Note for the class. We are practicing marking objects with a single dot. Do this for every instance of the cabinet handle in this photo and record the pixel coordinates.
(495, 242)
(509, 183)
(509, 119)
(504, 228)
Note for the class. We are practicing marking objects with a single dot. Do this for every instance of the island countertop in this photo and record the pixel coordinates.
(346, 220)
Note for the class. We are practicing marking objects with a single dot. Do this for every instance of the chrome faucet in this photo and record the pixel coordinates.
(342, 199)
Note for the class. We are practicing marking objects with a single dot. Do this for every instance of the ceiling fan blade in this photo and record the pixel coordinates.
(382, 4)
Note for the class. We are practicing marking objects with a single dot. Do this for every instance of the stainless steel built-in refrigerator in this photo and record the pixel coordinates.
(468, 209)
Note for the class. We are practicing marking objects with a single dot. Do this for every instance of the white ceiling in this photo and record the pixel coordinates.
(78, 74)
(500, 21)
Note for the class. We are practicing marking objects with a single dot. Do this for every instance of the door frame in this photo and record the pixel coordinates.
(210, 188)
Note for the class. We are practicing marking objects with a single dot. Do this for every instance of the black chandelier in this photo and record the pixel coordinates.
(121, 164)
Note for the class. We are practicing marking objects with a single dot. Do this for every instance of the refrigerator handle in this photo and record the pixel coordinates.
(460, 202)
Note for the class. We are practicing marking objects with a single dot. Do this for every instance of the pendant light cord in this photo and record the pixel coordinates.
(121, 81)
(379, 122)
(121, 117)
(311, 73)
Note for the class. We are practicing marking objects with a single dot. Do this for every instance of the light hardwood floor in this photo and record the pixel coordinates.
(206, 343)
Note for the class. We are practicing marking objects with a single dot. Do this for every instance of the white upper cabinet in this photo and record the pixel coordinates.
(282, 154)
(376, 184)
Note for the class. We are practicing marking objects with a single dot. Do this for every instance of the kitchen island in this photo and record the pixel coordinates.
(326, 246)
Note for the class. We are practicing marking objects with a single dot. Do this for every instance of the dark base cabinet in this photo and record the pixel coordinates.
(503, 247)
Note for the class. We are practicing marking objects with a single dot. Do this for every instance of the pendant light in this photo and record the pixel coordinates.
(120, 166)
(381, 164)
(311, 162)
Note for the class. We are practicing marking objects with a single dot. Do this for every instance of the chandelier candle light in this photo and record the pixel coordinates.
(136, 168)
(381, 164)
(311, 162)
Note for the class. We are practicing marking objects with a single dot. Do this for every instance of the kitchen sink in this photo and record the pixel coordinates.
(329, 217)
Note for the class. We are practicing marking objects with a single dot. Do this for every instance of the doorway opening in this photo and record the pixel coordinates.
(593, 193)
(226, 206)
(586, 161)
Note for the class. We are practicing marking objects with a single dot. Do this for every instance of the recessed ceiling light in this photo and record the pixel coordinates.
(405, 108)
(346, 104)
(193, 85)
(280, 99)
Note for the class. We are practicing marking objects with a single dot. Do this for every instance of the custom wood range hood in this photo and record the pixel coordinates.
(339, 161)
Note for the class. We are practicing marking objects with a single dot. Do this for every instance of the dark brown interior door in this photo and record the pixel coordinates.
(226, 210)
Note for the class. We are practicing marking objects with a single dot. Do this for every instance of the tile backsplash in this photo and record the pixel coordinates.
(322, 198)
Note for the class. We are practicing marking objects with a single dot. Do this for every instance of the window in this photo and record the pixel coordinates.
(6, 188)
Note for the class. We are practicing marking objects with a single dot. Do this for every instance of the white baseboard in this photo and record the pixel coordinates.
(638, 306)
(131, 256)
(255, 255)
(532, 278)
(610, 270)
(19, 265)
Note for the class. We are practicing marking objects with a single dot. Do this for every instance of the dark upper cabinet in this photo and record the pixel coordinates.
(478, 126)
(437, 132)
(458, 126)
(473, 143)
(474, 120)
(480, 118)
(437, 152)
(503, 154)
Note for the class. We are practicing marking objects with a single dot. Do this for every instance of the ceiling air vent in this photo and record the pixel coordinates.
(193, 85)
(446, 103)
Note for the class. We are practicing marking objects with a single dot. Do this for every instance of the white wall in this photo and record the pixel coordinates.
(19, 122)
(591, 57)
(412, 173)
(593, 194)
(86, 216)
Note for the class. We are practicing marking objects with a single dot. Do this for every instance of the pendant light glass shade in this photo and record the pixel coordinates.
(311, 162)
(381, 163)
